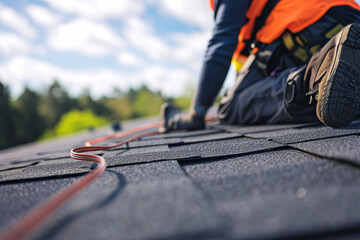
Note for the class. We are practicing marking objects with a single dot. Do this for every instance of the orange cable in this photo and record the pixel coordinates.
(124, 133)
(39, 214)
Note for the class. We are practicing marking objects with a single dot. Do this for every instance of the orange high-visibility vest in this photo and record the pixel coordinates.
(292, 15)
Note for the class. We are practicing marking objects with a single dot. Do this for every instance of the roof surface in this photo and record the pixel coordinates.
(224, 182)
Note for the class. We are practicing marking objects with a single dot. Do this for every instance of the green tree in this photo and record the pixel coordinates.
(147, 103)
(7, 125)
(55, 103)
(85, 101)
(29, 122)
(184, 101)
(132, 94)
(119, 107)
(77, 120)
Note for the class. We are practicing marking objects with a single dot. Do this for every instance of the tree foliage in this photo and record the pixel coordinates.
(7, 125)
(55, 102)
(85, 101)
(119, 107)
(184, 101)
(33, 115)
(29, 122)
(146, 103)
(78, 120)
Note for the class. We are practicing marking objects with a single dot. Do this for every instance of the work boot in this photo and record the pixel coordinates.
(333, 75)
(174, 119)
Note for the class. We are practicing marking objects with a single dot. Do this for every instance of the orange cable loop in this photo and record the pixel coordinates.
(39, 214)
(124, 133)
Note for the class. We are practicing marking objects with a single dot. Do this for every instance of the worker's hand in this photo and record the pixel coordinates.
(174, 120)
(187, 121)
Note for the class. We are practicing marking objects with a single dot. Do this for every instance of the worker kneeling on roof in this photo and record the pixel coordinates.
(297, 61)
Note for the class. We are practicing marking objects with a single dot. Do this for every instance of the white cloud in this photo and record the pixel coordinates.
(98, 9)
(192, 12)
(23, 71)
(138, 25)
(12, 44)
(86, 37)
(140, 35)
(129, 59)
(89, 33)
(194, 41)
(184, 48)
(42, 16)
(190, 47)
(170, 81)
(101, 82)
(187, 49)
(12, 19)
(200, 14)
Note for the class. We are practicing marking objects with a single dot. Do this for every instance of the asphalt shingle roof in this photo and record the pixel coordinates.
(224, 182)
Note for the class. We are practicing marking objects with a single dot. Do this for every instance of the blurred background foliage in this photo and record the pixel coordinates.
(41, 115)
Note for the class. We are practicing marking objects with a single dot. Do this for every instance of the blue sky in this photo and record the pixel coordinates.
(103, 44)
(99, 45)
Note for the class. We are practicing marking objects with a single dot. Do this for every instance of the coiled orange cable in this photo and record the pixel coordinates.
(38, 215)
(124, 133)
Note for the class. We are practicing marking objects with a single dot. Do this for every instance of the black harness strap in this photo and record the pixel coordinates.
(259, 23)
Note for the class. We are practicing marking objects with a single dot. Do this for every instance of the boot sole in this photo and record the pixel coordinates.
(340, 101)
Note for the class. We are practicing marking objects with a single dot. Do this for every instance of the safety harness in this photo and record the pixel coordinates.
(271, 20)
(252, 44)
(296, 43)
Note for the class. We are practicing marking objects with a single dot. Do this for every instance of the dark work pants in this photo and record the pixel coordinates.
(258, 98)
